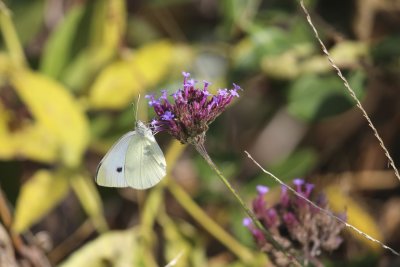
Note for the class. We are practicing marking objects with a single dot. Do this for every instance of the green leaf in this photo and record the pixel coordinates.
(58, 49)
(315, 97)
(175, 243)
(81, 69)
(261, 42)
(386, 52)
(37, 197)
(28, 18)
(116, 248)
(107, 27)
(297, 164)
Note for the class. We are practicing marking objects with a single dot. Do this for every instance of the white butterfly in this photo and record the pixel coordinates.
(135, 160)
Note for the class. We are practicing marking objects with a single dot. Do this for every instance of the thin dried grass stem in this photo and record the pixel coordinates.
(350, 90)
(328, 213)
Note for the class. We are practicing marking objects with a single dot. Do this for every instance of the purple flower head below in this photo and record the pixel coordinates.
(187, 115)
(300, 228)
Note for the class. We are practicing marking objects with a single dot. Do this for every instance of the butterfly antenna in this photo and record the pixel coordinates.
(137, 108)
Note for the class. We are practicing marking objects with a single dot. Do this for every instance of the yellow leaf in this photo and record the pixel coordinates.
(183, 56)
(108, 24)
(37, 197)
(356, 216)
(348, 52)
(27, 142)
(116, 248)
(315, 64)
(121, 81)
(286, 65)
(283, 66)
(115, 86)
(89, 198)
(5, 66)
(55, 108)
(152, 62)
(6, 147)
(35, 142)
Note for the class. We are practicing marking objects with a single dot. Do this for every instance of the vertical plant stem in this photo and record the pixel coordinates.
(203, 152)
(10, 36)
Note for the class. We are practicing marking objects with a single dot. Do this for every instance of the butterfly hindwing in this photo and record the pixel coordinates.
(111, 169)
(145, 164)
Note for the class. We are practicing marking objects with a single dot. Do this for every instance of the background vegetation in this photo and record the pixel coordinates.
(70, 70)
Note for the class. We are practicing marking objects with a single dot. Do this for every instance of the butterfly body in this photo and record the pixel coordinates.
(135, 160)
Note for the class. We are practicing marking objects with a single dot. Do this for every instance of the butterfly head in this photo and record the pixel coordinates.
(142, 129)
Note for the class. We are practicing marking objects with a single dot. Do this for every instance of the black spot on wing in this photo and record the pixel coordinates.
(119, 169)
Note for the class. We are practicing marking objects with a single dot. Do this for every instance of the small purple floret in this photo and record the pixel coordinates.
(223, 92)
(234, 93)
(167, 116)
(190, 82)
(262, 189)
(206, 84)
(309, 189)
(247, 222)
(298, 181)
(163, 95)
(237, 87)
(284, 196)
(289, 218)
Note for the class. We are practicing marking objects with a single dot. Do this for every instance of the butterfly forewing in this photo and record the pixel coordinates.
(145, 164)
(111, 169)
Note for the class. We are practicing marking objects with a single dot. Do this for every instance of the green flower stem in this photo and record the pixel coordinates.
(10, 36)
(198, 214)
(203, 152)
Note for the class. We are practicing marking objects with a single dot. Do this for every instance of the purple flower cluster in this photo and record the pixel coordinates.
(193, 109)
(300, 228)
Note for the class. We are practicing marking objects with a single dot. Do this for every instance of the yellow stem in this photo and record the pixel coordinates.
(211, 226)
(10, 36)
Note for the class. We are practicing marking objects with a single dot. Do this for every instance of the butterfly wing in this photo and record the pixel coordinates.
(145, 163)
(111, 169)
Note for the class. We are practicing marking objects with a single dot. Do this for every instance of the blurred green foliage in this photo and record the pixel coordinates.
(70, 70)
